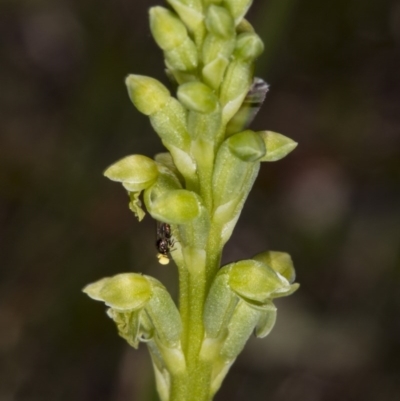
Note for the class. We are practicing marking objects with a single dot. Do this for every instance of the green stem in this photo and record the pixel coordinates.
(199, 374)
(179, 388)
(197, 286)
(199, 382)
(193, 289)
(184, 308)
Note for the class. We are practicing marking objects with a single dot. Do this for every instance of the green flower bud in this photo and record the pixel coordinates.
(167, 29)
(175, 207)
(147, 94)
(238, 8)
(170, 124)
(190, 12)
(231, 177)
(214, 71)
(128, 295)
(248, 46)
(232, 181)
(281, 262)
(197, 97)
(234, 88)
(220, 22)
(183, 57)
(216, 46)
(123, 292)
(171, 35)
(247, 146)
(278, 146)
(136, 172)
(255, 281)
(238, 302)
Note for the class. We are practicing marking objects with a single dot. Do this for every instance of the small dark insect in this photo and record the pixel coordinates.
(164, 242)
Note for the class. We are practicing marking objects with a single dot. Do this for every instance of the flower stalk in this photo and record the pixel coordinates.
(197, 189)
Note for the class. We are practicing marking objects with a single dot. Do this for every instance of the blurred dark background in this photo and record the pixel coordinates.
(334, 204)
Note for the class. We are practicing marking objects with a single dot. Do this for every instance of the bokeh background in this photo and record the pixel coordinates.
(333, 204)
